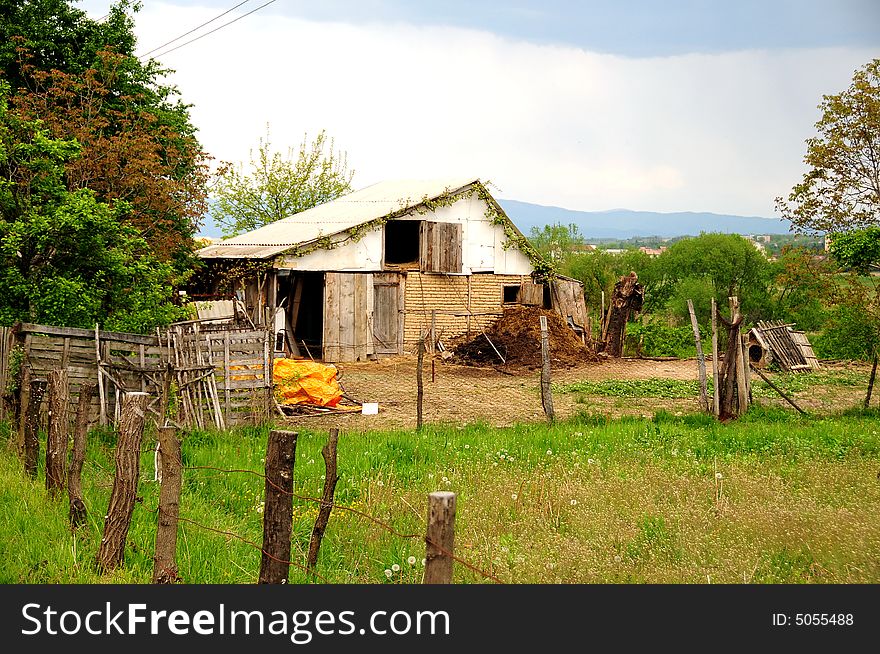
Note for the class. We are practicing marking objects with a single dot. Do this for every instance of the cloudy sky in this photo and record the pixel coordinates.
(674, 106)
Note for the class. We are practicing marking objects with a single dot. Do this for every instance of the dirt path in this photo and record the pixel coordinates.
(465, 394)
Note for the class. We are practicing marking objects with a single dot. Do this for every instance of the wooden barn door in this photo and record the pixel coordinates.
(388, 291)
(348, 316)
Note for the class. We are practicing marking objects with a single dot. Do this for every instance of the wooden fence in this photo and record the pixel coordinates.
(217, 378)
(7, 341)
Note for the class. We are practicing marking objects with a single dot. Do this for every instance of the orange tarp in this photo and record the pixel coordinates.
(306, 382)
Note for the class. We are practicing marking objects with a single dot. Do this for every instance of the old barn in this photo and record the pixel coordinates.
(363, 276)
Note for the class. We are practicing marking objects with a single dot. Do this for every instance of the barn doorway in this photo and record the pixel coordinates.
(303, 297)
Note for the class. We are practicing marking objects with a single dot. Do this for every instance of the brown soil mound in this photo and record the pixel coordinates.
(517, 337)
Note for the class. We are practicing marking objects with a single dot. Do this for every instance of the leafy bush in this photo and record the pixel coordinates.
(850, 334)
(654, 339)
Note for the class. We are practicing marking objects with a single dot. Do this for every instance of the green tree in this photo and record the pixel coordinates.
(80, 78)
(841, 189)
(66, 258)
(557, 242)
(720, 265)
(858, 249)
(275, 187)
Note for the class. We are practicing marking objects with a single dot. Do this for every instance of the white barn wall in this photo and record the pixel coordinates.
(482, 243)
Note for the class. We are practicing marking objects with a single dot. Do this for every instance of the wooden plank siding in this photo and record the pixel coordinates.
(348, 318)
(440, 247)
(531, 294)
(388, 313)
(568, 300)
(136, 363)
(7, 343)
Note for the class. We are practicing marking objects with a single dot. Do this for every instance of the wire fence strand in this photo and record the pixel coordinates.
(384, 525)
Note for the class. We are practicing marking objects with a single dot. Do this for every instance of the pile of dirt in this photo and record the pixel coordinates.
(516, 335)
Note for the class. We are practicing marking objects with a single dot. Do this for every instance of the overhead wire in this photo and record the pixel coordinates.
(215, 29)
(195, 29)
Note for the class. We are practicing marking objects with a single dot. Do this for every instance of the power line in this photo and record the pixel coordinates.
(195, 28)
(161, 54)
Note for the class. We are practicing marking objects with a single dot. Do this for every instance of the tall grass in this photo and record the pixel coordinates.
(587, 500)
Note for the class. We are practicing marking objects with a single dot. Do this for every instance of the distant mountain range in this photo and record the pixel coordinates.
(618, 223)
(624, 224)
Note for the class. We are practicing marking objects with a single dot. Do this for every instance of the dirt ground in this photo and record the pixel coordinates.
(465, 394)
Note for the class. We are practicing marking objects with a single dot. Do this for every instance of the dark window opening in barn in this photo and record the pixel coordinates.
(303, 297)
(402, 242)
(511, 293)
(548, 298)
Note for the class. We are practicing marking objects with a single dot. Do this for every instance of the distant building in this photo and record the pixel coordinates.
(653, 252)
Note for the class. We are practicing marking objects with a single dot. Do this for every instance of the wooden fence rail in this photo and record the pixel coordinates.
(222, 377)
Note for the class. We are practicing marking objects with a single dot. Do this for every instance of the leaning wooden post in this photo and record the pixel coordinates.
(111, 552)
(165, 561)
(278, 508)
(420, 390)
(715, 383)
(742, 392)
(59, 426)
(30, 418)
(780, 391)
(747, 364)
(701, 360)
(440, 539)
(871, 381)
(546, 395)
(101, 395)
(330, 479)
(78, 510)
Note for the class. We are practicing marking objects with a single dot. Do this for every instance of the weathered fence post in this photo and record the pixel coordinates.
(278, 508)
(165, 561)
(78, 512)
(871, 381)
(420, 390)
(440, 539)
(715, 382)
(59, 425)
(741, 388)
(330, 479)
(546, 394)
(102, 400)
(30, 426)
(111, 552)
(701, 360)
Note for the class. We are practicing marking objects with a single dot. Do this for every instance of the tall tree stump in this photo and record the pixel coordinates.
(78, 512)
(278, 508)
(30, 426)
(733, 397)
(59, 426)
(111, 552)
(165, 561)
(626, 301)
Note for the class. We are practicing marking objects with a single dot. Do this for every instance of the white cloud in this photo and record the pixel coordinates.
(547, 124)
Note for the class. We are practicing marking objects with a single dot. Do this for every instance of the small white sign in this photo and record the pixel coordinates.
(370, 408)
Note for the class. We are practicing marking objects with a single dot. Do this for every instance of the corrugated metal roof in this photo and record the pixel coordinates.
(332, 217)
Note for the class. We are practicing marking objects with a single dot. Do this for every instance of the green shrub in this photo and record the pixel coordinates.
(654, 339)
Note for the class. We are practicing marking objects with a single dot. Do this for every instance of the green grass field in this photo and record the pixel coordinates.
(771, 498)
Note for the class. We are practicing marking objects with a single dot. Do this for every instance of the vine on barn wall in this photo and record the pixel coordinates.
(544, 270)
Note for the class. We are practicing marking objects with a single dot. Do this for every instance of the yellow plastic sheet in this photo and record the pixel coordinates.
(306, 382)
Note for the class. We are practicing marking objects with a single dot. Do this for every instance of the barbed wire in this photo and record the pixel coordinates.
(251, 543)
(372, 519)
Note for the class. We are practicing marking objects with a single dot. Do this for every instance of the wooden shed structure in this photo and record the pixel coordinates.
(365, 275)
